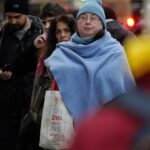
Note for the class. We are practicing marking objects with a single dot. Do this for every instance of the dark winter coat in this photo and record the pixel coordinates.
(118, 30)
(20, 55)
(30, 126)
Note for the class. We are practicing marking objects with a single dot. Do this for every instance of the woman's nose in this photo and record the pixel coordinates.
(63, 33)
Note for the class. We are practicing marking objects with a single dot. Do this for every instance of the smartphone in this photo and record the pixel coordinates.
(6, 67)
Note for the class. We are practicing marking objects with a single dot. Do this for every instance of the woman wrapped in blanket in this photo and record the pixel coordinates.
(90, 69)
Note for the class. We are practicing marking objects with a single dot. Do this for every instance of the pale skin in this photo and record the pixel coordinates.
(5, 75)
(39, 42)
(88, 24)
(17, 21)
(62, 34)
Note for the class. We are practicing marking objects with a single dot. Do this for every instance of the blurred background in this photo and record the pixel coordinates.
(129, 12)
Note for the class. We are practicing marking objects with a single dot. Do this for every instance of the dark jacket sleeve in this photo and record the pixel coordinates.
(26, 61)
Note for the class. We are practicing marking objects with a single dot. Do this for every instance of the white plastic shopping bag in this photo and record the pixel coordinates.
(57, 123)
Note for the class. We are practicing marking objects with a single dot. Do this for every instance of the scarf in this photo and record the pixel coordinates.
(91, 75)
(84, 40)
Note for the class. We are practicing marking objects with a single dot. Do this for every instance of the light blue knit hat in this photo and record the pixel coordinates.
(94, 7)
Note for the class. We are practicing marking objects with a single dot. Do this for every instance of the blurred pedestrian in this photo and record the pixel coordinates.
(122, 124)
(116, 29)
(49, 12)
(90, 69)
(61, 29)
(17, 67)
(139, 55)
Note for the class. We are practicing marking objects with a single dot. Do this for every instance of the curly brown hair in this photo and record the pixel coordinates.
(51, 41)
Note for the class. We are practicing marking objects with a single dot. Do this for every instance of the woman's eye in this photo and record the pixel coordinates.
(58, 31)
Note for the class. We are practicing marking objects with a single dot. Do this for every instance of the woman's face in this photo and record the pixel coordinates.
(63, 32)
(88, 24)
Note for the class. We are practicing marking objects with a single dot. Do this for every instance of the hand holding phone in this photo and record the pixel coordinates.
(5, 73)
(6, 67)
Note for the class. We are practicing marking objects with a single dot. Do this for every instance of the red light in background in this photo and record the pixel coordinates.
(130, 22)
(68, 8)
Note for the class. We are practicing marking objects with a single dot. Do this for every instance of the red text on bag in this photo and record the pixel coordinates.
(55, 117)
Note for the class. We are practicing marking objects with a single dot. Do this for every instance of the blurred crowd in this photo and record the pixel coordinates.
(101, 69)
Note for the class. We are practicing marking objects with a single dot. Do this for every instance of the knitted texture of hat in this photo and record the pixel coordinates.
(18, 6)
(95, 8)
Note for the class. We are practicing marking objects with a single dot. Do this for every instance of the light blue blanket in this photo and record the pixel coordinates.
(89, 76)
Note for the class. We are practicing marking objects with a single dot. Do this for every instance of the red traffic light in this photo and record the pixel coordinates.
(130, 22)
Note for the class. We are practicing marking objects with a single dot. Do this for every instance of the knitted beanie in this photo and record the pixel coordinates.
(95, 8)
(18, 6)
